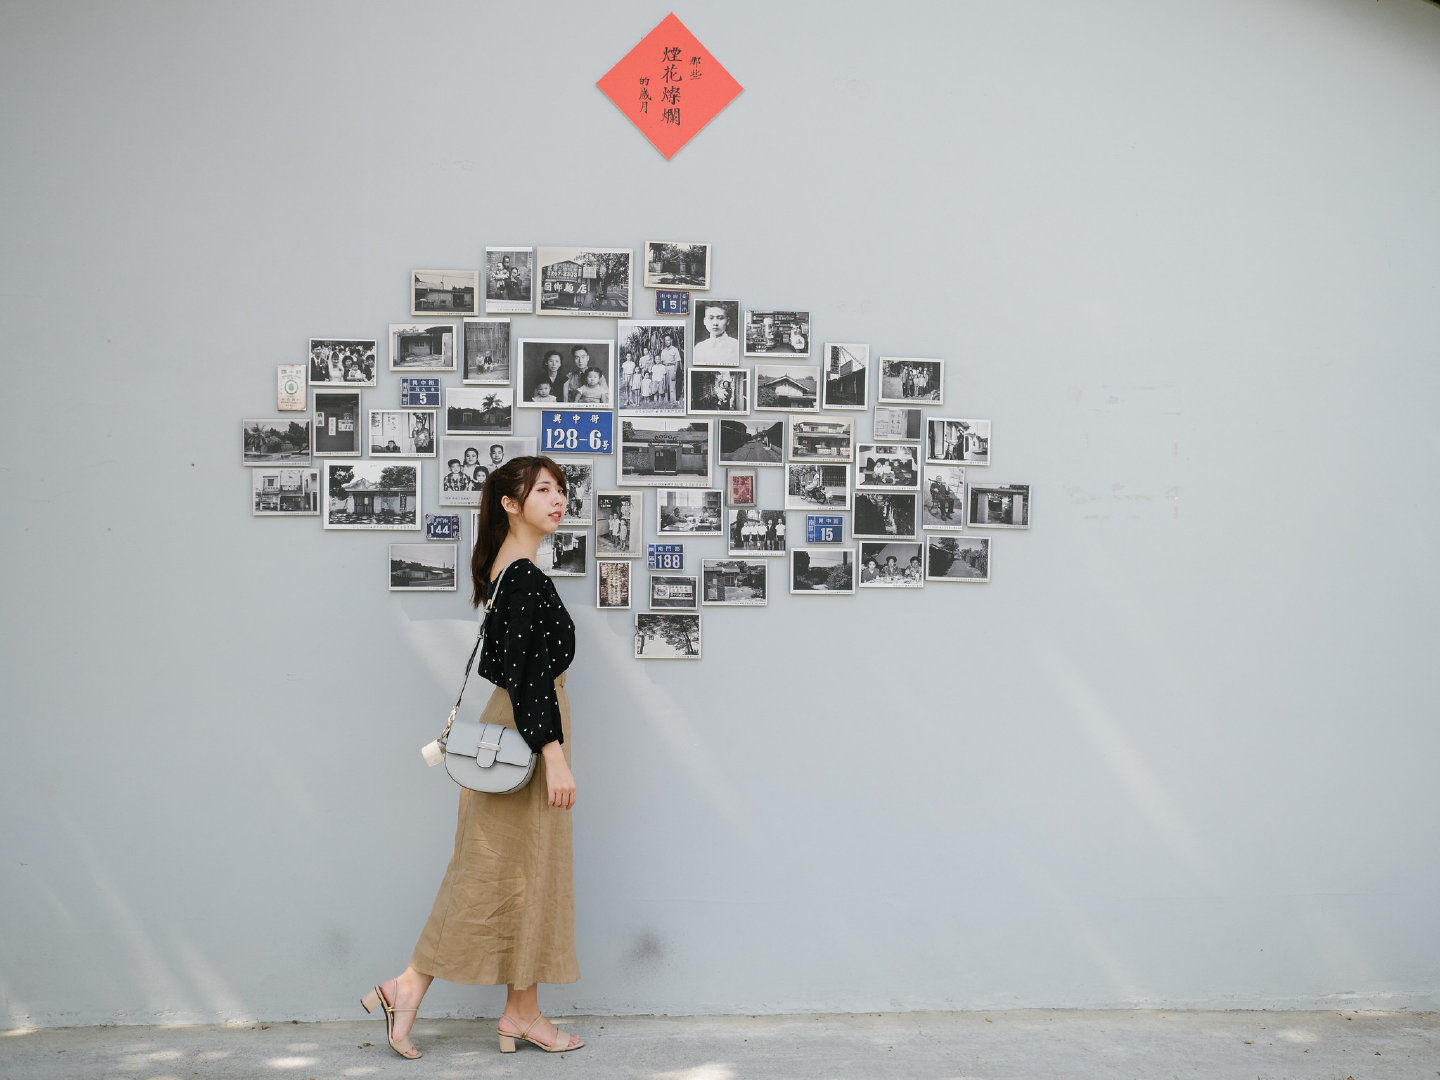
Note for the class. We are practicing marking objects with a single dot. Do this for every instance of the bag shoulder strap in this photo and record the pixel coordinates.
(479, 639)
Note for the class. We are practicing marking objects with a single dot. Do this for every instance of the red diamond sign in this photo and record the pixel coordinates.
(669, 86)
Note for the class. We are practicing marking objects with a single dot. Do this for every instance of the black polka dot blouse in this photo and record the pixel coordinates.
(529, 641)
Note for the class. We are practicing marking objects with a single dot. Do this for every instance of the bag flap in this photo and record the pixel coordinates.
(467, 735)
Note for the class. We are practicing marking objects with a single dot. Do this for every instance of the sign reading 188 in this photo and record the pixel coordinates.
(577, 433)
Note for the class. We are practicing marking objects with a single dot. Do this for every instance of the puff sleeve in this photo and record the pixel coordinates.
(539, 644)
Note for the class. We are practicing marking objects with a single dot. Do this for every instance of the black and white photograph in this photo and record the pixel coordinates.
(585, 280)
(888, 565)
(662, 451)
(445, 292)
(733, 583)
(509, 280)
(569, 371)
(337, 423)
(942, 504)
(688, 512)
(887, 466)
(716, 323)
(673, 591)
(402, 433)
(749, 531)
(477, 410)
(999, 506)
(886, 515)
(719, 391)
(787, 388)
(777, 333)
(485, 344)
(612, 584)
(752, 442)
(579, 491)
(343, 361)
(822, 570)
(562, 553)
(466, 462)
(740, 487)
(423, 567)
(618, 531)
(274, 439)
(960, 442)
(652, 367)
(674, 265)
(809, 486)
(371, 495)
(847, 376)
(893, 422)
(957, 558)
(285, 492)
(422, 346)
(667, 636)
(907, 380)
(828, 438)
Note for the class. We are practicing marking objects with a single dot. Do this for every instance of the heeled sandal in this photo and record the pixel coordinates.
(507, 1039)
(376, 999)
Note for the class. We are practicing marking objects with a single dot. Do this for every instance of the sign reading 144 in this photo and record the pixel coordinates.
(577, 433)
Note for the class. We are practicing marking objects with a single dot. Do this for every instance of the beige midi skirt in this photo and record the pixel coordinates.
(505, 912)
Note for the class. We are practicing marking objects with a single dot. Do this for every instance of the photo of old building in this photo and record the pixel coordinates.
(285, 492)
(662, 451)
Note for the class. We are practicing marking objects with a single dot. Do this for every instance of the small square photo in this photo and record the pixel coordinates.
(944, 497)
(755, 532)
(777, 333)
(957, 558)
(887, 466)
(891, 422)
(445, 292)
(285, 492)
(1000, 506)
(740, 487)
(676, 265)
(885, 515)
(687, 512)
(906, 380)
(716, 323)
(787, 387)
(422, 347)
(562, 553)
(962, 442)
(752, 442)
(719, 391)
(831, 438)
(466, 462)
(486, 345)
(812, 485)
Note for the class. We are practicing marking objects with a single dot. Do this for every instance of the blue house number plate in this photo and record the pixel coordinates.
(672, 302)
(577, 433)
(823, 528)
(419, 393)
(442, 526)
(667, 557)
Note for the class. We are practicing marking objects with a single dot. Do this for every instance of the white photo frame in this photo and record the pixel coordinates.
(277, 440)
(380, 495)
(911, 380)
(668, 635)
(787, 388)
(734, 583)
(672, 264)
(814, 570)
(953, 440)
(485, 348)
(285, 491)
(685, 511)
(422, 347)
(651, 367)
(664, 451)
(886, 515)
(719, 391)
(338, 361)
(339, 427)
(479, 410)
(942, 498)
(774, 333)
(821, 438)
(896, 564)
(509, 280)
(963, 558)
(564, 553)
(401, 433)
(580, 491)
(997, 506)
(424, 567)
(613, 584)
(891, 423)
(674, 592)
(543, 362)
(584, 281)
(619, 527)
(754, 533)
(476, 456)
(845, 376)
(806, 481)
(715, 326)
(445, 292)
(887, 467)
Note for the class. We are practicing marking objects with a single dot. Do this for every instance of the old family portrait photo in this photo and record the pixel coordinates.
(342, 360)
(907, 380)
(486, 348)
(719, 391)
(891, 566)
(755, 532)
(652, 367)
(468, 460)
(715, 327)
(509, 280)
(574, 371)
(618, 530)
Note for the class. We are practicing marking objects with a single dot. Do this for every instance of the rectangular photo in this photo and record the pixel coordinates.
(422, 347)
(579, 491)
(719, 391)
(402, 433)
(888, 565)
(618, 531)
(777, 333)
(562, 553)
(285, 492)
(272, 440)
(342, 361)
(998, 506)
(612, 584)
(755, 532)
(485, 345)
(787, 388)
(667, 636)
(908, 380)
(509, 280)
(688, 512)
(810, 485)
(892, 422)
(752, 442)
(573, 371)
(943, 505)
(961, 442)
(822, 570)
(887, 466)
(846, 384)
(831, 438)
(479, 410)
(673, 591)
(957, 558)
(466, 462)
(337, 423)
(423, 567)
(733, 583)
(664, 452)
(715, 323)
(371, 495)
(445, 292)
(652, 367)
(675, 265)
(594, 281)
(740, 487)
(885, 515)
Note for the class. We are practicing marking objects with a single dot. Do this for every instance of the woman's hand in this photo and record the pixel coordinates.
(557, 776)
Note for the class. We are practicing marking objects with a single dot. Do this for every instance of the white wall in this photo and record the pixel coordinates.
(1180, 752)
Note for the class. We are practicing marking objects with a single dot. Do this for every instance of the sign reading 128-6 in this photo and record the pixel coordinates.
(577, 433)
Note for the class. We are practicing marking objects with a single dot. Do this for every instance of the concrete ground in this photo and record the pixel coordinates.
(1033, 1043)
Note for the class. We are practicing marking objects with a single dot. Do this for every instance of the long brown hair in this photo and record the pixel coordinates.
(512, 480)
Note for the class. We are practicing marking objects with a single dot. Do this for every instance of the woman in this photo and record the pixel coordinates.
(505, 910)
